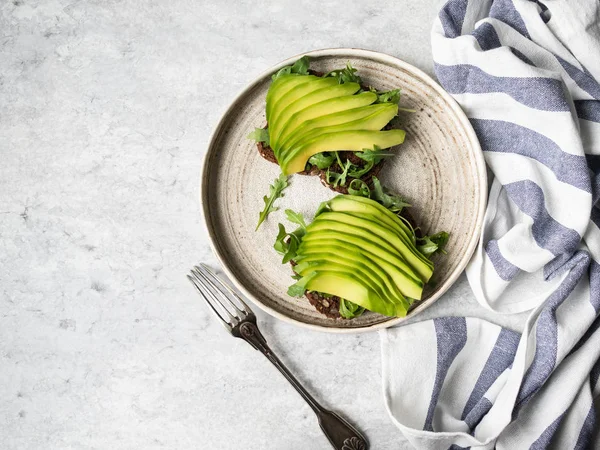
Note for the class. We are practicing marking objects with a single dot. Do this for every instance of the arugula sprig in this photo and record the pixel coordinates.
(348, 169)
(300, 67)
(392, 96)
(339, 179)
(345, 75)
(359, 187)
(322, 160)
(275, 191)
(394, 203)
(429, 245)
(299, 287)
(260, 135)
(349, 310)
(286, 243)
(371, 158)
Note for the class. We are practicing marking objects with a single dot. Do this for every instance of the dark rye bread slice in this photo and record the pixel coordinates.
(330, 306)
(267, 153)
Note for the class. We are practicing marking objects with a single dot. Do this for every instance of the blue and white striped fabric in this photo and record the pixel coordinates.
(526, 73)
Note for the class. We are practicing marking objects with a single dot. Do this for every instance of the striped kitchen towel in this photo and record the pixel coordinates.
(526, 73)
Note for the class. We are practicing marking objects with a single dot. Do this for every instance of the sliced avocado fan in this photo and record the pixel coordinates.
(307, 115)
(358, 250)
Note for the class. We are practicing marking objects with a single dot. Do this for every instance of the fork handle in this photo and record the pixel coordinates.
(340, 433)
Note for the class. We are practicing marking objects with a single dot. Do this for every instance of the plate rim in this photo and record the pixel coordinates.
(385, 58)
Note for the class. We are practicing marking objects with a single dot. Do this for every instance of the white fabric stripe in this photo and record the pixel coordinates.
(592, 239)
(511, 168)
(574, 418)
(540, 57)
(499, 106)
(571, 25)
(463, 376)
(474, 12)
(581, 303)
(486, 284)
(590, 136)
(501, 414)
(465, 50)
(539, 31)
(519, 226)
(393, 361)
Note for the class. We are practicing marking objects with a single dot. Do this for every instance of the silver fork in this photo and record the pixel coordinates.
(240, 321)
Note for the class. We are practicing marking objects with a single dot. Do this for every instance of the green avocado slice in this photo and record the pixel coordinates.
(375, 121)
(326, 264)
(293, 104)
(354, 205)
(406, 280)
(327, 112)
(363, 207)
(369, 269)
(303, 120)
(368, 229)
(345, 285)
(280, 102)
(282, 86)
(398, 283)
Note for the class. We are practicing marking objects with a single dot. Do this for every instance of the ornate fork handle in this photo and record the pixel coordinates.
(340, 433)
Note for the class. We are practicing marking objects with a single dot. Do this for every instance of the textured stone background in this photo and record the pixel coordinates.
(105, 112)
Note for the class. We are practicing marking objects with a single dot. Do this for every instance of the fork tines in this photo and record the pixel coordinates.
(225, 303)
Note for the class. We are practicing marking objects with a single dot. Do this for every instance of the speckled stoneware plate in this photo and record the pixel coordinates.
(439, 169)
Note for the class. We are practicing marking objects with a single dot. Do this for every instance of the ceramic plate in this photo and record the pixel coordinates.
(439, 169)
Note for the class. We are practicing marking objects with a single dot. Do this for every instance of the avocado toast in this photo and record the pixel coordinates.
(331, 125)
(359, 253)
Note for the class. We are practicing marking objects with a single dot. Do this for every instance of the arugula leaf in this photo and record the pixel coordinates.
(322, 160)
(260, 135)
(300, 67)
(286, 243)
(434, 243)
(280, 245)
(371, 157)
(359, 188)
(376, 154)
(283, 71)
(297, 289)
(392, 96)
(338, 179)
(358, 172)
(275, 191)
(349, 310)
(394, 203)
(295, 217)
(346, 75)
